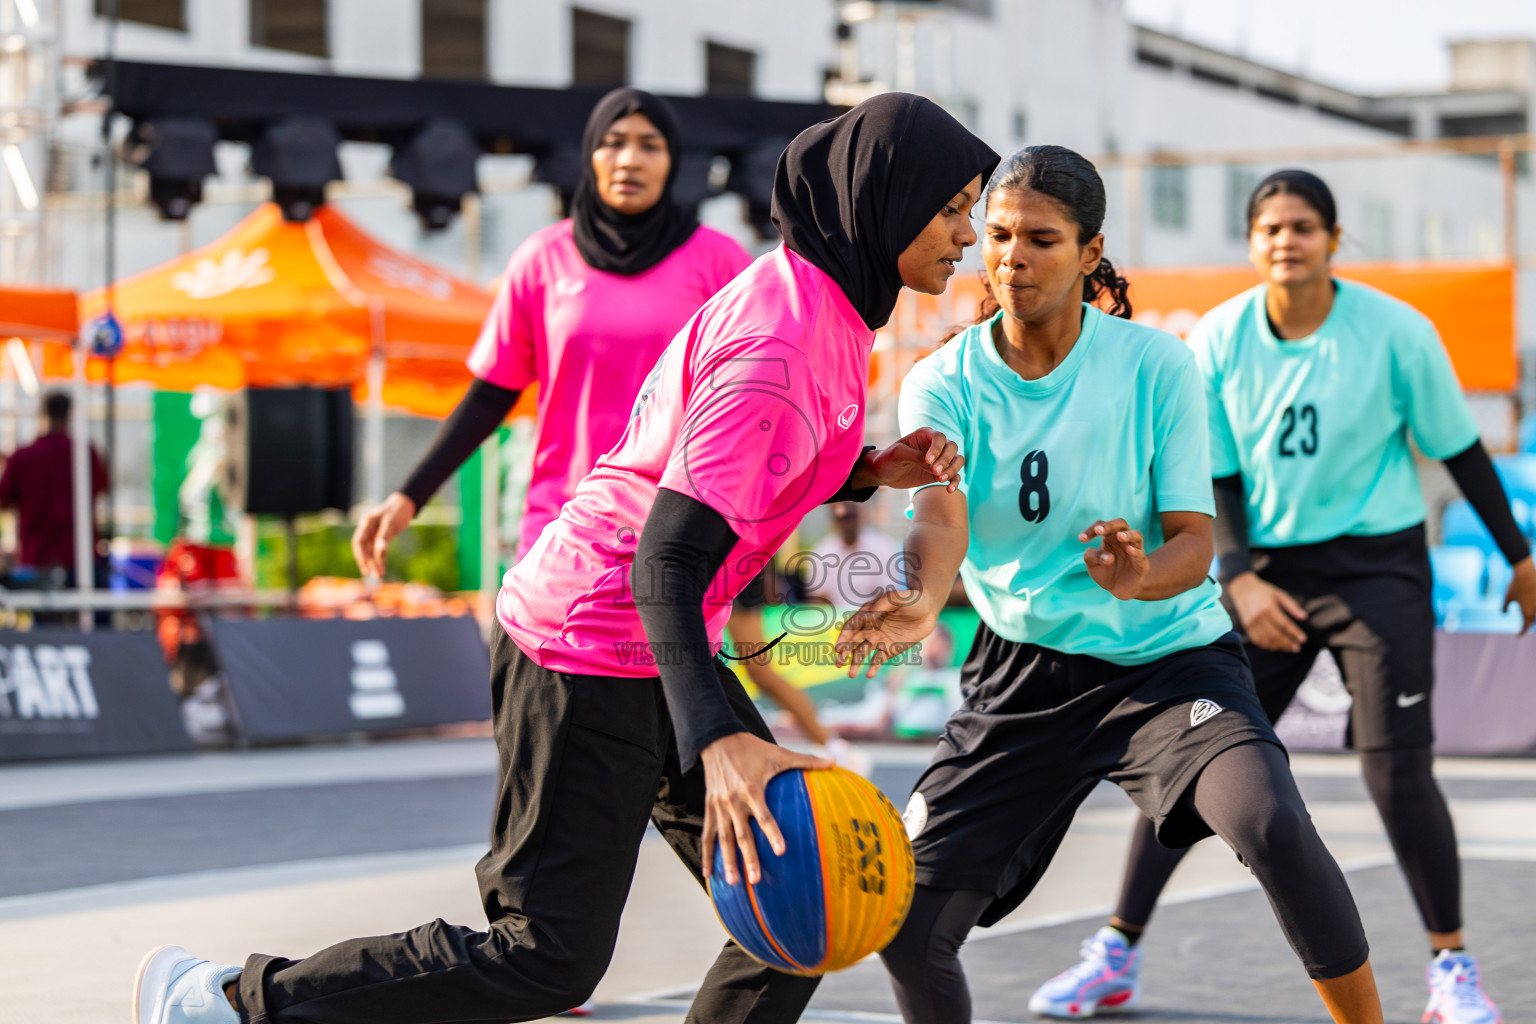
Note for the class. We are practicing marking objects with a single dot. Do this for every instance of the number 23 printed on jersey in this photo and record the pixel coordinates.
(1298, 431)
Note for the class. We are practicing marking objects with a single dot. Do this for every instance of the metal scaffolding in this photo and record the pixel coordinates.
(28, 108)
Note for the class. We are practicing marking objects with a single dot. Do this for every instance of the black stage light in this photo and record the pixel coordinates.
(299, 154)
(695, 179)
(177, 152)
(752, 178)
(560, 167)
(439, 166)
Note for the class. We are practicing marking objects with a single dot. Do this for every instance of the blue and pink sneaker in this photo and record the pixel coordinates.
(1108, 979)
(1456, 993)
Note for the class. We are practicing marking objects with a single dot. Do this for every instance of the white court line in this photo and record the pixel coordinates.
(1509, 769)
(666, 996)
(236, 771)
(223, 881)
(1472, 851)
(811, 1013)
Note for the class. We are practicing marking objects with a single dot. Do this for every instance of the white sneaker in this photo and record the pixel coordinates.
(175, 987)
(1456, 993)
(586, 1009)
(1107, 979)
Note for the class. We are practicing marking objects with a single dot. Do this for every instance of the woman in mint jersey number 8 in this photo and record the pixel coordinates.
(1314, 385)
(1082, 528)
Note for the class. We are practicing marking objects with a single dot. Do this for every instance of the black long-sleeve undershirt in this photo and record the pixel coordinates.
(1229, 532)
(1479, 482)
(682, 547)
(474, 419)
(1472, 470)
(848, 492)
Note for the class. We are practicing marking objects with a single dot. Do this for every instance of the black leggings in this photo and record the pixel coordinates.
(1412, 808)
(1247, 796)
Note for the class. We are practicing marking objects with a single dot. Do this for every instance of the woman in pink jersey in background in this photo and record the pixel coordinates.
(584, 310)
(611, 709)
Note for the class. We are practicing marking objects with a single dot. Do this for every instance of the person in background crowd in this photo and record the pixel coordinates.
(1314, 385)
(854, 561)
(584, 311)
(771, 587)
(38, 485)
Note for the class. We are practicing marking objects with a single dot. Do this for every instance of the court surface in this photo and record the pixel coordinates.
(284, 851)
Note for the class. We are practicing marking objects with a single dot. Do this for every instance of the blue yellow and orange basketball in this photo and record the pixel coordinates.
(842, 887)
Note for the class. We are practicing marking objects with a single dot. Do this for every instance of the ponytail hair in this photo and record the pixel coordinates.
(1106, 280)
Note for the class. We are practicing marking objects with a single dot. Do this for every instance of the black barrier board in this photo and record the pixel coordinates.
(69, 694)
(292, 678)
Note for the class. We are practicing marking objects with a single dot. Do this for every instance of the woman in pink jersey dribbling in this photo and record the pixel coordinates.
(611, 709)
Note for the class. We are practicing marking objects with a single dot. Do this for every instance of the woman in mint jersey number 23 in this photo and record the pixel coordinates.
(1314, 385)
(1082, 528)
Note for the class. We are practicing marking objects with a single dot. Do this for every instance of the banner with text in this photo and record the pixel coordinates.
(69, 694)
(293, 678)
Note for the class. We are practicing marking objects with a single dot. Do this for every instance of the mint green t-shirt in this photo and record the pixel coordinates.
(1318, 426)
(1116, 431)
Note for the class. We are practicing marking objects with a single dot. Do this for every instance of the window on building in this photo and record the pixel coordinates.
(728, 70)
(1434, 235)
(1241, 182)
(453, 38)
(1170, 195)
(162, 13)
(599, 49)
(1376, 229)
(296, 25)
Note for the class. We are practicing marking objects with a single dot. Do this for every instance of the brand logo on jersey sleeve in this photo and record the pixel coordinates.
(1203, 710)
(845, 417)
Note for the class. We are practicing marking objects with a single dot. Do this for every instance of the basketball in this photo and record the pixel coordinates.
(843, 886)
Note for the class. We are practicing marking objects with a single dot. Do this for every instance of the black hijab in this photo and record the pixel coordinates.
(851, 193)
(628, 243)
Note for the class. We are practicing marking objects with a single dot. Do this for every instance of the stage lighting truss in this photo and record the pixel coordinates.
(177, 153)
(438, 164)
(298, 153)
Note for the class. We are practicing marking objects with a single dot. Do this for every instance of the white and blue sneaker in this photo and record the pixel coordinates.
(175, 987)
(1456, 993)
(1108, 979)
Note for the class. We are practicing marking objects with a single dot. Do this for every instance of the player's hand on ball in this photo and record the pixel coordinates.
(924, 456)
(1269, 615)
(382, 524)
(736, 771)
(1119, 563)
(882, 629)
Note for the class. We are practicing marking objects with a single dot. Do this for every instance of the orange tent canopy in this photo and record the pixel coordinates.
(51, 313)
(1470, 304)
(276, 304)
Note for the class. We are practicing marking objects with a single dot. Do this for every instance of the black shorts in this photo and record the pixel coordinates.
(1369, 602)
(1039, 729)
